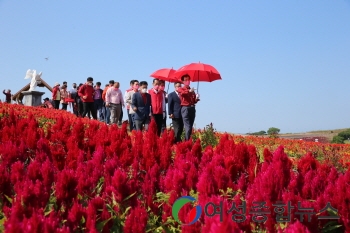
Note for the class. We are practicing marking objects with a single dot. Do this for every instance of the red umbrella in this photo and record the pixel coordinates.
(198, 72)
(164, 74)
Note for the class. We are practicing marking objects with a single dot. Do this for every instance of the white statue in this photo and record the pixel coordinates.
(35, 79)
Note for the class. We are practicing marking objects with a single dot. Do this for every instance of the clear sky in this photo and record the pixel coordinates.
(284, 64)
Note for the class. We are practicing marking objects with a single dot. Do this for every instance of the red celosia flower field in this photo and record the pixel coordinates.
(59, 173)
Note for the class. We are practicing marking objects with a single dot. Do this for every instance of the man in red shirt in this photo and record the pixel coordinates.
(86, 92)
(188, 100)
(157, 105)
(56, 95)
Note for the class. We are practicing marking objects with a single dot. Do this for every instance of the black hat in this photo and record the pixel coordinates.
(90, 79)
(46, 99)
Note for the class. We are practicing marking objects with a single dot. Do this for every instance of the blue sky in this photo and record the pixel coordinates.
(284, 64)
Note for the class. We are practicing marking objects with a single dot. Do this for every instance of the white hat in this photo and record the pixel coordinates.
(57, 84)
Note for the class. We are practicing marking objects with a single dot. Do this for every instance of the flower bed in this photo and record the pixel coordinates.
(59, 173)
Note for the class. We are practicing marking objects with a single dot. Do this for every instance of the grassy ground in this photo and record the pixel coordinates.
(329, 134)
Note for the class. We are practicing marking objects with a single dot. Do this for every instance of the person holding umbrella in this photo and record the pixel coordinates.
(188, 100)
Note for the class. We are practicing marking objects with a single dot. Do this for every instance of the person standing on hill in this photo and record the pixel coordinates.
(107, 109)
(64, 95)
(8, 96)
(98, 101)
(165, 101)
(86, 92)
(56, 95)
(157, 105)
(174, 109)
(114, 101)
(141, 104)
(132, 82)
(128, 100)
(188, 100)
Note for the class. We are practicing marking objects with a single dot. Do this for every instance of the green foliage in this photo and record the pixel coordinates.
(273, 132)
(338, 140)
(341, 137)
(208, 136)
(261, 132)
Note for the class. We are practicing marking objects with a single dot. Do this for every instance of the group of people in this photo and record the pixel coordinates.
(141, 103)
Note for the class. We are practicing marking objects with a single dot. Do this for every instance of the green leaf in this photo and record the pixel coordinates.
(331, 228)
(8, 198)
(100, 225)
(130, 196)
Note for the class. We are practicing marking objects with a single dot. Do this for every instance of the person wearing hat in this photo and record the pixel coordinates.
(56, 95)
(86, 92)
(8, 96)
(47, 103)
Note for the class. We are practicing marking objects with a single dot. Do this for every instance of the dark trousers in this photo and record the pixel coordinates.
(80, 108)
(121, 116)
(164, 124)
(188, 116)
(98, 105)
(158, 118)
(131, 121)
(57, 104)
(178, 125)
(89, 107)
(140, 123)
(64, 106)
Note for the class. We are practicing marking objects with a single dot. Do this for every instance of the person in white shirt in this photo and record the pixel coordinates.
(128, 100)
(114, 101)
(131, 123)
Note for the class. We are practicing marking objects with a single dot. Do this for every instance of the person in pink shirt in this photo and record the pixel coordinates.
(114, 101)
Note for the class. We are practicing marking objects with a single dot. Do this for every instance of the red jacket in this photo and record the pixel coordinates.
(187, 98)
(88, 91)
(54, 92)
(156, 101)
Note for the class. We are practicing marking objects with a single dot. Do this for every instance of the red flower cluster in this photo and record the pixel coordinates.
(59, 173)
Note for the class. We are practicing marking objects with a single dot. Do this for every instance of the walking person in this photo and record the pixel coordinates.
(73, 95)
(86, 91)
(79, 101)
(64, 95)
(174, 109)
(98, 101)
(56, 95)
(162, 88)
(131, 125)
(107, 109)
(141, 104)
(114, 101)
(157, 105)
(8, 96)
(128, 100)
(188, 101)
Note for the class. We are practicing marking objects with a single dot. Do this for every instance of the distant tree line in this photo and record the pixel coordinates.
(272, 131)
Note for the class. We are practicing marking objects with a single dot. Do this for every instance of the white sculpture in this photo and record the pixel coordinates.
(35, 79)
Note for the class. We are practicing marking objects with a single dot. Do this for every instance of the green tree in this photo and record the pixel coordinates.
(272, 131)
(261, 132)
(338, 139)
(341, 137)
